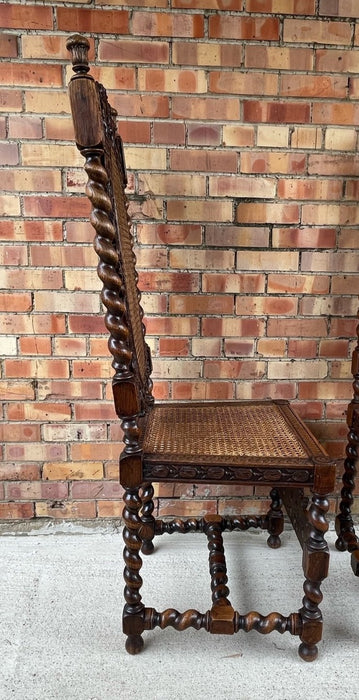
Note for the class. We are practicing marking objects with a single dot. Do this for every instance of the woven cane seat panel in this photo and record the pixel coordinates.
(228, 433)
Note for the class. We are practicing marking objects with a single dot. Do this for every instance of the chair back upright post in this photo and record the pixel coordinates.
(100, 144)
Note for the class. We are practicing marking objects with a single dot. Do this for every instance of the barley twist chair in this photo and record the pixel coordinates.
(220, 442)
(344, 525)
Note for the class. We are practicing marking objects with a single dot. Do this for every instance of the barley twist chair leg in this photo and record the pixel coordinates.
(315, 567)
(133, 614)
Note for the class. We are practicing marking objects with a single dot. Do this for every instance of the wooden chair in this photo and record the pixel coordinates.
(347, 537)
(245, 442)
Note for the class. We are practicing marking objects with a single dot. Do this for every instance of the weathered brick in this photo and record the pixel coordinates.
(345, 8)
(207, 54)
(230, 27)
(10, 101)
(276, 112)
(66, 510)
(47, 46)
(316, 31)
(274, 212)
(8, 45)
(33, 74)
(295, 7)
(277, 162)
(16, 511)
(278, 57)
(86, 20)
(198, 160)
(30, 17)
(243, 83)
(162, 24)
(202, 109)
(237, 236)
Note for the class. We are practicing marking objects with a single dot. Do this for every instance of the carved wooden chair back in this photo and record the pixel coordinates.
(106, 171)
(344, 524)
(247, 442)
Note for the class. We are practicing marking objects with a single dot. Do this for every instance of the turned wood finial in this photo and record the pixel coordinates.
(79, 47)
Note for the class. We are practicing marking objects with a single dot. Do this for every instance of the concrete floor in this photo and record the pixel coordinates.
(60, 609)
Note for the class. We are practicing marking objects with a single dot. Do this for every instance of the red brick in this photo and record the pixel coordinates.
(336, 8)
(227, 5)
(86, 20)
(169, 281)
(57, 207)
(232, 327)
(295, 7)
(279, 58)
(209, 108)
(265, 162)
(276, 112)
(17, 391)
(19, 472)
(243, 83)
(161, 24)
(199, 160)
(71, 510)
(141, 105)
(35, 346)
(133, 51)
(200, 304)
(203, 134)
(25, 127)
(237, 283)
(238, 347)
(236, 236)
(9, 154)
(177, 347)
(339, 113)
(10, 100)
(8, 45)
(31, 231)
(297, 328)
(258, 213)
(30, 490)
(304, 237)
(313, 86)
(316, 31)
(47, 368)
(230, 27)
(202, 390)
(16, 511)
(207, 54)
(36, 74)
(15, 302)
(30, 17)
(297, 284)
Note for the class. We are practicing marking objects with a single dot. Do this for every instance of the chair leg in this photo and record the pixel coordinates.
(275, 520)
(315, 567)
(147, 531)
(133, 614)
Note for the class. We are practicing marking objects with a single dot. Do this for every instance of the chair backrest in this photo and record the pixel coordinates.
(97, 139)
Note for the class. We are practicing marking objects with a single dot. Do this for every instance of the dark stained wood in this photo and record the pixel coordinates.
(260, 442)
(344, 525)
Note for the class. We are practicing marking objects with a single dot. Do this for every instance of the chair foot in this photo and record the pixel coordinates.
(340, 544)
(274, 541)
(134, 644)
(147, 547)
(308, 652)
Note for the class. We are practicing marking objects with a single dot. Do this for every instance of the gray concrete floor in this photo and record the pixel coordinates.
(60, 621)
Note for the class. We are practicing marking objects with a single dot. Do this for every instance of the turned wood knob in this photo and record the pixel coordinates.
(79, 47)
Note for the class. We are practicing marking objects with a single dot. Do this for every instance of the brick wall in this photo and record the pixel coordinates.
(239, 120)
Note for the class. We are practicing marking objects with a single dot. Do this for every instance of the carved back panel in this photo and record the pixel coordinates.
(98, 140)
